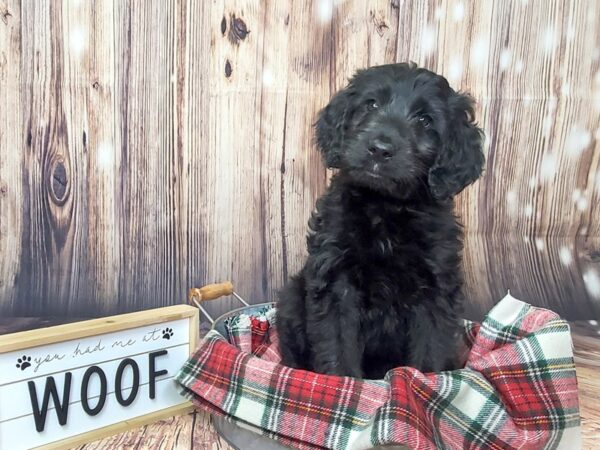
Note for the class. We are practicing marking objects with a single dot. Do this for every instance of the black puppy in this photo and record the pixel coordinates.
(381, 287)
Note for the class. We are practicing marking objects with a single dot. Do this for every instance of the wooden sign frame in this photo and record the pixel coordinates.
(97, 327)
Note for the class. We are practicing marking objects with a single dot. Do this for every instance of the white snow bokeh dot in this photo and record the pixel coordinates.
(455, 70)
(267, 77)
(428, 39)
(566, 256)
(77, 40)
(459, 12)
(105, 154)
(479, 52)
(325, 10)
(533, 182)
(519, 66)
(577, 140)
(591, 279)
(505, 58)
(580, 200)
(548, 39)
(539, 244)
(548, 167)
(511, 201)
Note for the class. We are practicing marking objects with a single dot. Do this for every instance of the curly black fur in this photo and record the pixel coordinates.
(381, 287)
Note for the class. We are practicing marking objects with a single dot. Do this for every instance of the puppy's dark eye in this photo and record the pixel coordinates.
(425, 120)
(372, 105)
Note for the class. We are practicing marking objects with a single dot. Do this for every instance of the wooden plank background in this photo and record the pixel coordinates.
(147, 147)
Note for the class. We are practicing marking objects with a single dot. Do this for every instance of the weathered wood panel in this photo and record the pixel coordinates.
(150, 146)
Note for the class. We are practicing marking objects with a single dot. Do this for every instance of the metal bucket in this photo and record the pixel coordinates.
(236, 436)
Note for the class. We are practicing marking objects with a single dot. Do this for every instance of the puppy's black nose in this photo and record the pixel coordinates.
(381, 150)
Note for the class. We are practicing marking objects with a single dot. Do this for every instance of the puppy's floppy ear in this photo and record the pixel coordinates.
(460, 161)
(331, 127)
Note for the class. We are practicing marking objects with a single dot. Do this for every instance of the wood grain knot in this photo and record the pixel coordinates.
(228, 69)
(5, 14)
(59, 181)
(3, 189)
(223, 26)
(380, 25)
(96, 85)
(594, 255)
(237, 30)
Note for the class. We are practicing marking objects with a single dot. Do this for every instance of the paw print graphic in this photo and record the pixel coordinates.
(24, 362)
(167, 333)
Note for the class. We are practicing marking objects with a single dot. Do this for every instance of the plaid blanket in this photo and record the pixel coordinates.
(518, 390)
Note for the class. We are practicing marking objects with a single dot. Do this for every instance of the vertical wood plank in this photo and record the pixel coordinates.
(12, 147)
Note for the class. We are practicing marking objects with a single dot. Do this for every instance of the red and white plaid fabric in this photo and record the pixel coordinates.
(518, 390)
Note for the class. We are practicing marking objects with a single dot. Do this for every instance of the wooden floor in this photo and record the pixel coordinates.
(194, 431)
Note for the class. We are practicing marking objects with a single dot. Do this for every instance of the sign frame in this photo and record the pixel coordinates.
(62, 333)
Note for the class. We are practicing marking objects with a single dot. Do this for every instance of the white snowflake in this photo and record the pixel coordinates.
(533, 182)
(439, 13)
(592, 282)
(511, 201)
(526, 239)
(455, 70)
(548, 39)
(539, 244)
(565, 89)
(428, 39)
(528, 210)
(267, 77)
(593, 323)
(519, 66)
(325, 10)
(547, 123)
(548, 167)
(105, 154)
(578, 139)
(78, 40)
(566, 258)
(505, 57)
(479, 52)
(459, 12)
(580, 200)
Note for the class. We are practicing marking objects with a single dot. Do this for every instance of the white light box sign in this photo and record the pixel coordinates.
(70, 384)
